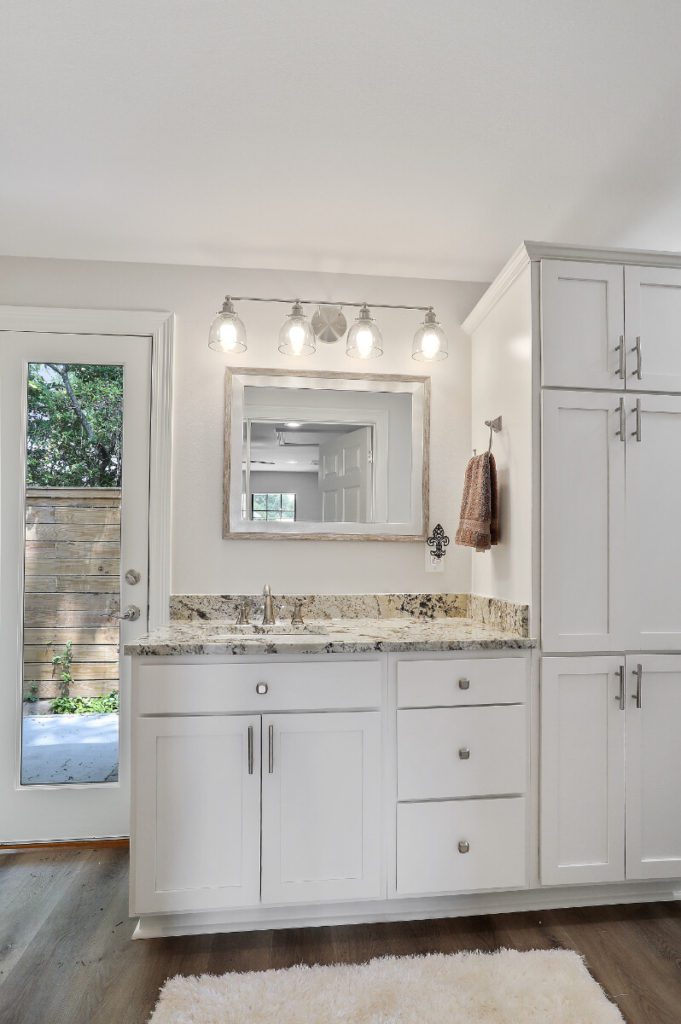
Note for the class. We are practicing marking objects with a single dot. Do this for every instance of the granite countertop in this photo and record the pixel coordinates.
(331, 636)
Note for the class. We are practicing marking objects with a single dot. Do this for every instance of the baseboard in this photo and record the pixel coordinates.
(376, 911)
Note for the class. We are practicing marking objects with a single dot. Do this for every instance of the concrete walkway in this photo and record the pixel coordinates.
(69, 748)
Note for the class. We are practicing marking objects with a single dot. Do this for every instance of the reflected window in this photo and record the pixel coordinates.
(279, 507)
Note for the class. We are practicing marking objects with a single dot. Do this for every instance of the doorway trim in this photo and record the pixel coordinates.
(159, 325)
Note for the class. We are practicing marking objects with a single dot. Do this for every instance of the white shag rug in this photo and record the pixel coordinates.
(508, 987)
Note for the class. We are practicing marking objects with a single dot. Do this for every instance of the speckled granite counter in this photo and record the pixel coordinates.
(332, 636)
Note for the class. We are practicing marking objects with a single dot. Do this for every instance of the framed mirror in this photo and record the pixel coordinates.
(322, 456)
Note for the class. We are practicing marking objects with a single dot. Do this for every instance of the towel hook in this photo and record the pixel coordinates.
(494, 428)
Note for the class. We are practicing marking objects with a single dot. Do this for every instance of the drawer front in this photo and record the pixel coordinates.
(422, 684)
(429, 835)
(207, 688)
(461, 752)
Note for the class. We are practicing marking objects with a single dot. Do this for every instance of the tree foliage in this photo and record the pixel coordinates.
(75, 425)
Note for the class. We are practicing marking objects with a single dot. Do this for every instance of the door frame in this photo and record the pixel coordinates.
(159, 325)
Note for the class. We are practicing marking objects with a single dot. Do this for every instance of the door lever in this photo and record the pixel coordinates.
(129, 614)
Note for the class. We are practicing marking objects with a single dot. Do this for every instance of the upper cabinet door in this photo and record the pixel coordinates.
(582, 324)
(583, 552)
(653, 501)
(653, 324)
(653, 766)
(321, 815)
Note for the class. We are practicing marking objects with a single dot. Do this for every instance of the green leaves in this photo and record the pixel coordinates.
(105, 704)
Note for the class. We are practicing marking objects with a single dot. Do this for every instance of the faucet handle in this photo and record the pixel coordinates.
(267, 590)
(244, 613)
(297, 616)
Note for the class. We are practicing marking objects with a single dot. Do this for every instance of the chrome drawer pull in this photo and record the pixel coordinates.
(261, 688)
(250, 750)
(620, 696)
(637, 410)
(621, 433)
(464, 684)
(464, 846)
(638, 672)
(464, 753)
(639, 359)
(620, 349)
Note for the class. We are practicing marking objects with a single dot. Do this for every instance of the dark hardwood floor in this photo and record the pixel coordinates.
(66, 955)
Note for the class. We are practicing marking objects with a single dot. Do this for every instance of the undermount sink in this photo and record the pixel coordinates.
(278, 628)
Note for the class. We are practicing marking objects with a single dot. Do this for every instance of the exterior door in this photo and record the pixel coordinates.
(653, 500)
(321, 821)
(74, 465)
(653, 322)
(582, 324)
(197, 816)
(653, 766)
(345, 478)
(583, 703)
(583, 548)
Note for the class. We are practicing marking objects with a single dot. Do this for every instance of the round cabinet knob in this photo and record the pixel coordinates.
(464, 753)
(261, 688)
(464, 684)
(464, 846)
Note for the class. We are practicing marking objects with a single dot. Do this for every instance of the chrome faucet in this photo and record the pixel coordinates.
(268, 617)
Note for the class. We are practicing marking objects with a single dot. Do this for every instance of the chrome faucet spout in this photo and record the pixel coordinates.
(268, 617)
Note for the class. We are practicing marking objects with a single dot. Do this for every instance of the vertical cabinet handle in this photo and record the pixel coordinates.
(621, 696)
(250, 750)
(620, 351)
(637, 411)
(270, 749)
(638, 672)
(621, 432)
(638, 372)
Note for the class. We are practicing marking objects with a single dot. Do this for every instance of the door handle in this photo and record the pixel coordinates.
(129, 614)
(639, 358)
(270, 749)
(621, 696)
(638, 672)
(637, 411)
(621, 432)
(250, 750)
(620, 351)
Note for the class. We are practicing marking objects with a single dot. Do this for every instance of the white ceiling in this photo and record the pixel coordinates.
(381, 136)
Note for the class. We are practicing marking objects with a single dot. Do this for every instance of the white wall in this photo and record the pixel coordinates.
(202, 561)
(501, 385)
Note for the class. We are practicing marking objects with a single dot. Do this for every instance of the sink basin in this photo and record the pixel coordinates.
(278, 629)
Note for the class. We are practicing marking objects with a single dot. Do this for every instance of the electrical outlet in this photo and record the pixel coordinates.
(434, 564)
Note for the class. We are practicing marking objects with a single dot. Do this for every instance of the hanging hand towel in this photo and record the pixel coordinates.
(479, 521)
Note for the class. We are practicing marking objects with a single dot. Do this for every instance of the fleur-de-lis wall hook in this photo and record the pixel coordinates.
(438, 541)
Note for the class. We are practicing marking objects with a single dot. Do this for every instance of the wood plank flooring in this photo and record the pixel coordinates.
(66, 956)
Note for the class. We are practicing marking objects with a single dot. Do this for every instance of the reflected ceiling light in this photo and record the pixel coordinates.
(430, 341)
(227, 332)
(293, 425)
(364, 338)
(296, 337)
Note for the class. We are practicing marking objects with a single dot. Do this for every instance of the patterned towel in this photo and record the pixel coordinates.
(479, 520)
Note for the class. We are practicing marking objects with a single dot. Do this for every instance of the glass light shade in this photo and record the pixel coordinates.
(227, 332)
(364, 338)
(430, 341)
(296, 337)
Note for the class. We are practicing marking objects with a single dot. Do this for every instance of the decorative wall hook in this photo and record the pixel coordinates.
(438, 541)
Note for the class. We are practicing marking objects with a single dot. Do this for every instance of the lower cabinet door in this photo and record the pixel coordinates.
(653, 766)
(460, 845)
(582, 770)
(321, 820)
(196, 820)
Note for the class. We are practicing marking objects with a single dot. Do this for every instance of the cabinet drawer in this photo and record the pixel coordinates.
(459, 752)
(428, 853)
(422, 684)
(171, 689)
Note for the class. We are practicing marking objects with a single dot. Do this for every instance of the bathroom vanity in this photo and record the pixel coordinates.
(367, 772)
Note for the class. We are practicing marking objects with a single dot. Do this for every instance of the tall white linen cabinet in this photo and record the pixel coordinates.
(579, 351)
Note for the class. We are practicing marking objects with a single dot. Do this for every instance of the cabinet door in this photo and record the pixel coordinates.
(582, 770)
(583, 553)
(653, 767)
(582, 324)
(653, 323)
(196, 823)
(653, 501)
(321, 821)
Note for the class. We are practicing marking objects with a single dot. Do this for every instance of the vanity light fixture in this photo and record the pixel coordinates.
(298, 335)
(227, 332)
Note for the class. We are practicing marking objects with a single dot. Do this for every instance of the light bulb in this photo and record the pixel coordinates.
(364, 338)
(296, 336)
(227, 332)
(430, 341)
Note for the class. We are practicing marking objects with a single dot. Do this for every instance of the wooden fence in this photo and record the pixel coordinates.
(72, 566)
